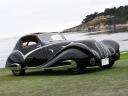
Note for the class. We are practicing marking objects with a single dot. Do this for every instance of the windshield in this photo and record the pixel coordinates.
(49, 37)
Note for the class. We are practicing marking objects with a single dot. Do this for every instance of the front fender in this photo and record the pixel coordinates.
(69, 54)
(82, 47)
(111, 44)
(15, 57)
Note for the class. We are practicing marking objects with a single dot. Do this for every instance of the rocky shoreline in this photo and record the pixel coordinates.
(100, 28)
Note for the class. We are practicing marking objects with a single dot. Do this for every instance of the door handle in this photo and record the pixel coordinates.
(51, 50)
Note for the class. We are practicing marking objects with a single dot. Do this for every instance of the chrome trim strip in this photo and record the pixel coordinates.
(104, 49)
(97, 43)
(101, 47)
(19, 52)
(26, 55)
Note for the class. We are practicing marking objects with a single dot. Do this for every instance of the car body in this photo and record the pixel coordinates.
(50, 50)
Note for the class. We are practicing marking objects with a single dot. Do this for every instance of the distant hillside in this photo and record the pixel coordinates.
(115, 19)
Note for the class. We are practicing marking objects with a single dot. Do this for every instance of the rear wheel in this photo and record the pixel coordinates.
(17, 70)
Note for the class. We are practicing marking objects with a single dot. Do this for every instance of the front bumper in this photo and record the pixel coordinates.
(94, 61)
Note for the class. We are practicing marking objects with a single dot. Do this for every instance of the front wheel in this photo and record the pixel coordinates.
(79, 68)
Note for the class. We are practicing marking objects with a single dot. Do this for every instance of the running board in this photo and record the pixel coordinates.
(73, 64)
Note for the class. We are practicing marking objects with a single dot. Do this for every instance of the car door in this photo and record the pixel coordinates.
(54, 42)
(33, 50)
(54, 48)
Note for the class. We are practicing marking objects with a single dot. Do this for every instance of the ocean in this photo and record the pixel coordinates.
(7, 44)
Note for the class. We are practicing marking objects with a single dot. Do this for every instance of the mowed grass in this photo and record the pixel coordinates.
(95, 82)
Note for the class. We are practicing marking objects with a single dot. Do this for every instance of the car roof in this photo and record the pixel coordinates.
(38, 33)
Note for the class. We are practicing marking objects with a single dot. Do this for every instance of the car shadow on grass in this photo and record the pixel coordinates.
(89, 71)
(64, 72)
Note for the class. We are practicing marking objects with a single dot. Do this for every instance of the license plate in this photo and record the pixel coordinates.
(105, 61)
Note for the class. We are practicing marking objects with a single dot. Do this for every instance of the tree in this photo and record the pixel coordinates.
(120, 14)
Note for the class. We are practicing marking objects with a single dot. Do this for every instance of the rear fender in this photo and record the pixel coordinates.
(15, 57)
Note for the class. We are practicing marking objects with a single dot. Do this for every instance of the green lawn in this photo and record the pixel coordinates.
(95, 82)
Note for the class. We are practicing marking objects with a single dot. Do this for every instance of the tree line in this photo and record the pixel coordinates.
(120, 15)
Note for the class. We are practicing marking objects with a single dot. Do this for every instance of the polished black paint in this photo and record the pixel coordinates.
(52, 53)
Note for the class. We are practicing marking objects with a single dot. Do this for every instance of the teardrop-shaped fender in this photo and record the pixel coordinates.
(75, 51)
(15, 57)
(111, 44)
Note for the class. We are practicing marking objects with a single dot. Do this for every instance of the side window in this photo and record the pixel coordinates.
(29, 41)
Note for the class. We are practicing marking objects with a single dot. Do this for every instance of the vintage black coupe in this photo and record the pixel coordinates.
(46, 51)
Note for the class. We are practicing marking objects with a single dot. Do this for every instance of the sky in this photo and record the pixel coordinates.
(20, 17)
